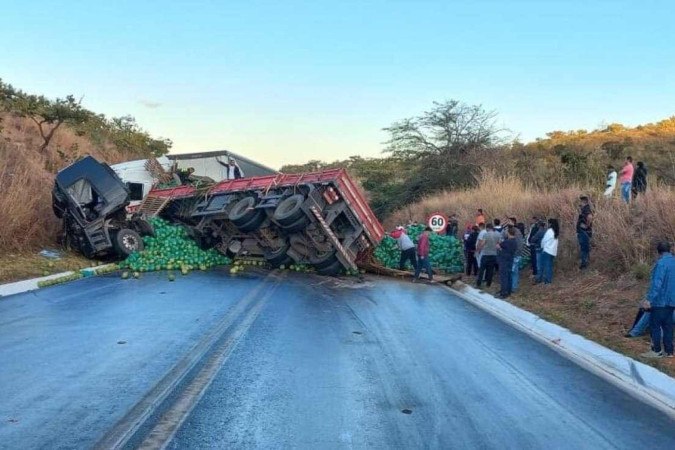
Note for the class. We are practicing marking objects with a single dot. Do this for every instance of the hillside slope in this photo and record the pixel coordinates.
(27, 171)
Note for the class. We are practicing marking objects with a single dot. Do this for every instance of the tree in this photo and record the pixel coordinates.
(445, 147)
(48, 115)
(450, 129)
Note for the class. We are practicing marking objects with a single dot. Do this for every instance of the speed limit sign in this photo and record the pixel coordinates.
(437, 222)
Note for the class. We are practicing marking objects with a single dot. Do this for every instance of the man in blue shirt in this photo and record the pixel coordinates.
(661, 300)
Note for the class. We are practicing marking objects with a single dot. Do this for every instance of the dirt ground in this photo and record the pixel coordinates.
(591, 304)
(16, 267)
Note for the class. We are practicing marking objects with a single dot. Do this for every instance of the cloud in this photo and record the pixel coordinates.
(149, 104)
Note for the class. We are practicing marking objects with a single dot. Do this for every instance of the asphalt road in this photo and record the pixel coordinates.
(293, 361)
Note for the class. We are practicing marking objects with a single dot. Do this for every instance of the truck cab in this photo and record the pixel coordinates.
(91, 200)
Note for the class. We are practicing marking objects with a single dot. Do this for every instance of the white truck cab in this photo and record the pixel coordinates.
(138, 179)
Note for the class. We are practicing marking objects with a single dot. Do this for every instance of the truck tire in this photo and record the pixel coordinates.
(300, 245)
(296, 226)
(243, 211)
(253, 224)
(127, 241)
(278, 257)
(323, 260)
(289, 210)
(332, 270)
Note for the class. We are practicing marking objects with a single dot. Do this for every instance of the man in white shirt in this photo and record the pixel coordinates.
(611, 181)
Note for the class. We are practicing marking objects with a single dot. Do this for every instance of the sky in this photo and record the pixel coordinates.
(285, 82)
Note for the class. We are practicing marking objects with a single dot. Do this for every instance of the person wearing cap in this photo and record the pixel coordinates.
(660, 300)
(407, 247)
(585, 231)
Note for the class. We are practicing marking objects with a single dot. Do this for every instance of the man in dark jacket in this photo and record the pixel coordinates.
(534, 227)
(534, 241)
(639, 179)
(470, 250)
(507, 251)
(585, 230)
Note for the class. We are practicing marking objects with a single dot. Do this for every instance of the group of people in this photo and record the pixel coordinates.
(633, 180)
(492, 247)
(418, 255)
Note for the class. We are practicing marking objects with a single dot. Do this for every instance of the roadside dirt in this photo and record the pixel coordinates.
(17, 267)
(591, 304)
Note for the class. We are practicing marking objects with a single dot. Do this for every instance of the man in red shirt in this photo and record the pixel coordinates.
(423, 246)
(626, 178)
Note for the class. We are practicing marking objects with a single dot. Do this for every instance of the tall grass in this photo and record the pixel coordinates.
(624, 236)
(27, 176)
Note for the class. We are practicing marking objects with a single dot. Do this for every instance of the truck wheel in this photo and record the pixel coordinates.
(323, 260)
(243, 211)
(298, 225)
(278, 257)
(127, 241)
(253, 224)
(300, 245)
(332, 270)
(289, 210)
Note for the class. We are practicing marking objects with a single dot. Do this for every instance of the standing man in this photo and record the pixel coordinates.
(661, 300)
(585, 231)
(610, 184)
(534, 227)
(487, 246)
(640, 179)
(470, 251)
(626, 178)
(405, 244)
(481, 235)
(453, 226)
(423, 247)
(507, 251)
(535, 246)
(232, 169)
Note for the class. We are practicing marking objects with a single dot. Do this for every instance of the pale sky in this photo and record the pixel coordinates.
(285, 82)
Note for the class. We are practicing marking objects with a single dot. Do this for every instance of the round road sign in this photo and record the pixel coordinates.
(437, 222)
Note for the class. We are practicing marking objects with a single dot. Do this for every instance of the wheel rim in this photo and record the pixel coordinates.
(130, 242)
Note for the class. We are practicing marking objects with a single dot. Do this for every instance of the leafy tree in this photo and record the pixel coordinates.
(48, 115)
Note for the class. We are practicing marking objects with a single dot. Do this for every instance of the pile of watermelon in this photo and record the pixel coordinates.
(171, 249)
(446, 252)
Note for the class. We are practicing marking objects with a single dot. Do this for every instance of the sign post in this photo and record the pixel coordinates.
(438, 222)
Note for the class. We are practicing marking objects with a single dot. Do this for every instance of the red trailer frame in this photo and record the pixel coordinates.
(339, 177)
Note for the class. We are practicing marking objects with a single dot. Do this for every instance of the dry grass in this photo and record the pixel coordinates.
(15, 267)
(27, 176)
(623, 236)
(600, 303)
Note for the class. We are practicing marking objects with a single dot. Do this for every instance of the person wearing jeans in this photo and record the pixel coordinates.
(407, 247)
(487, 245)
(626, 178)
(661, 300)
(549, 250)
(423, 248)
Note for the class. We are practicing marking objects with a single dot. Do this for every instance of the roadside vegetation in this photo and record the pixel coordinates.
(39, 136)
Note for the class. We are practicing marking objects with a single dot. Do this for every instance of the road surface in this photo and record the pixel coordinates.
(286, 360)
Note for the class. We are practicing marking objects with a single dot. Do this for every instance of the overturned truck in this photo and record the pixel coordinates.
(319, 218)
